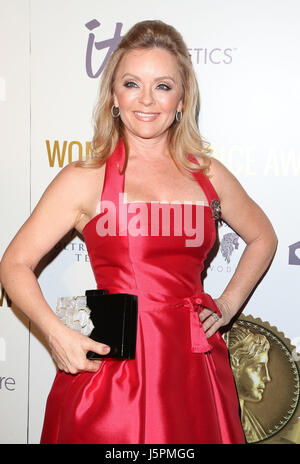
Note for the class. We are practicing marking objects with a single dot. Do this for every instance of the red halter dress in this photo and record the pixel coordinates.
(179, 389)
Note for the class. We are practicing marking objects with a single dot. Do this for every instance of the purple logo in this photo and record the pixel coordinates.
(212, 55)
(110, 44)
(201, 55)
(229, 242)
(294, 253)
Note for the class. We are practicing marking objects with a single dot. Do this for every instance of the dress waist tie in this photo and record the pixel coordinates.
(196, 304)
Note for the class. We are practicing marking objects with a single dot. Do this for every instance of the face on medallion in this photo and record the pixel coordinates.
(148, 91)
(253, 377)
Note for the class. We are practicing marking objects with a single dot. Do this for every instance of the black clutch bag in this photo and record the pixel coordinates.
(114, 316)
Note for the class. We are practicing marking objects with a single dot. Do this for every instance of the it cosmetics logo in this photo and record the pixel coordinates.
(109, 44)
(214, 55)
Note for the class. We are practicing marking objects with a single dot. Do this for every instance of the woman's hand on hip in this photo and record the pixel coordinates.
(211, 321)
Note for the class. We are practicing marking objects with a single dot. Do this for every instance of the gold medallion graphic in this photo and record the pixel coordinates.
(266, 372)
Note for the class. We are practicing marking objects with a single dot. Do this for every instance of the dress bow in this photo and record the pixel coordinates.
(196, 304)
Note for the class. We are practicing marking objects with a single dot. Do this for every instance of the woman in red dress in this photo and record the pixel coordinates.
(163, 195)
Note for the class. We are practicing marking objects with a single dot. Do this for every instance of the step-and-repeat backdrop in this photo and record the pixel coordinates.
(246, 55)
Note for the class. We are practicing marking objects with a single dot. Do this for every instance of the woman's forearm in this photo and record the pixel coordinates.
(23, 289)
(253, 263)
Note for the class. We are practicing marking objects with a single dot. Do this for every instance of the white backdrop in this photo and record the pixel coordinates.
(246, 55)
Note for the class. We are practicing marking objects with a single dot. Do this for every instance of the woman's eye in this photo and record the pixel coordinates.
(164, 87)
(130, 84)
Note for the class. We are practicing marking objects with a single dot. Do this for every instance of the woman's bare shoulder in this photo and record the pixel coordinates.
(73, 175)
(79, 182)
(83, 185)
(59, 209)
(73, 192)
(221, 177)
(238, 209)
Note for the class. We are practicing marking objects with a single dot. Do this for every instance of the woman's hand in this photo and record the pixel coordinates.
(210, 323)
(69, 348)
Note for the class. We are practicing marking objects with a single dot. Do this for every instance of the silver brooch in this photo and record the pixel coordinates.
(215, 209)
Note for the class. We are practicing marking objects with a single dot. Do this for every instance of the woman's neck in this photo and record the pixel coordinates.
(149, 149)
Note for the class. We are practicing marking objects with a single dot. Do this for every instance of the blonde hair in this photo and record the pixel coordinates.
(183, 137)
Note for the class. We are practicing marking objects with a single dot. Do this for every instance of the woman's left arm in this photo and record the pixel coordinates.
(249, 221)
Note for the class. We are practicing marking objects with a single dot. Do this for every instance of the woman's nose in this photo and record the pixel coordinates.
(146, 97)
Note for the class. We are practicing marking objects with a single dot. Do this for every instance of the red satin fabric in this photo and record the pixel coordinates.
(179, 389)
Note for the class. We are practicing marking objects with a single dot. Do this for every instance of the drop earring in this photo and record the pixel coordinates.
(113, 113)
(178, 116)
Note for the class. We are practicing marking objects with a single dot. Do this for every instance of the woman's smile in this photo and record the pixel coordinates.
(145, 117)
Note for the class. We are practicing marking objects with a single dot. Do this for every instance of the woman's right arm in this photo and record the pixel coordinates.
(57, 212)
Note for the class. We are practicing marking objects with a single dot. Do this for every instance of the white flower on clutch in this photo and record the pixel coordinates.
(74, 313)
